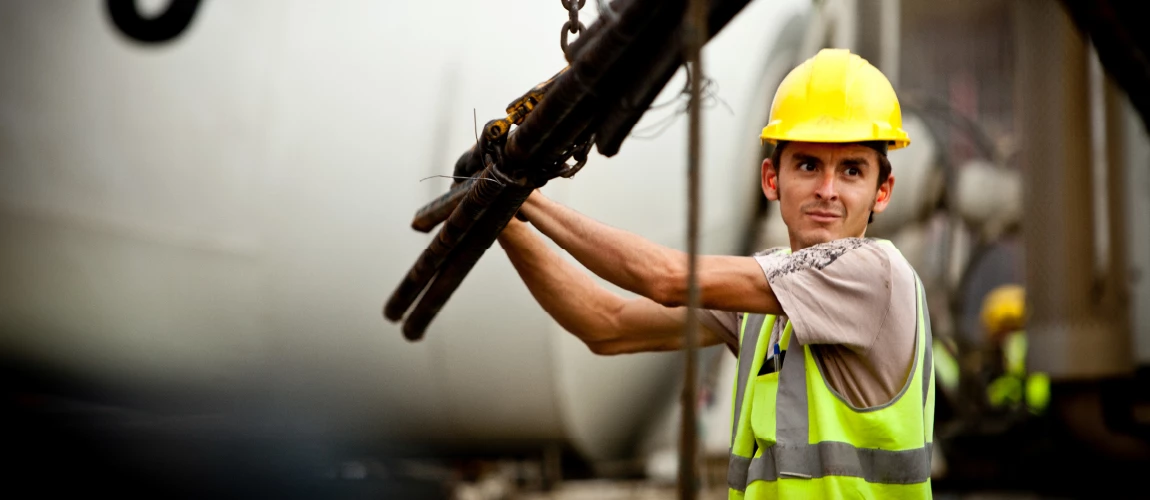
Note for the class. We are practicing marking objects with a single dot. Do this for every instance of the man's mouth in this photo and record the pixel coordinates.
(823, 216)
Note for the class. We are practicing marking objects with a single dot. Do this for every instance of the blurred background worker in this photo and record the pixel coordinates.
(1004, 318)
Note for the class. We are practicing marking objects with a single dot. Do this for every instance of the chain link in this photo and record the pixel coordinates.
(579, 154)
(572, 26)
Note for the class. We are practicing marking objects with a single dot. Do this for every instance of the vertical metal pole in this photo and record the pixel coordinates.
(890, 24)
(1054, 112)
(846, 25)
(1069, 338)
(1116, 305)
(695, 24)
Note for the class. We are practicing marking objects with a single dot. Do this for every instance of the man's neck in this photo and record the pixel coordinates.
(796, 245)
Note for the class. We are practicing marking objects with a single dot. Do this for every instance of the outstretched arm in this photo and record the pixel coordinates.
(606, 322)
(726, 283)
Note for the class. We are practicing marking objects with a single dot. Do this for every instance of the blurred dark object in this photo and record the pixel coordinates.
(1030, 454)
(1117, 28)
(165, 27)
(65, 435)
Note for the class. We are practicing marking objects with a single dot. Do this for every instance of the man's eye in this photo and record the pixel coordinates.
(807, 166)
(853, 171)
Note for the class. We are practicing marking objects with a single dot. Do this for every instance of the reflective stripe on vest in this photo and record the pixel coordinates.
(790, 455)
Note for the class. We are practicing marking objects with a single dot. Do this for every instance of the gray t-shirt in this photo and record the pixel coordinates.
(853, 301)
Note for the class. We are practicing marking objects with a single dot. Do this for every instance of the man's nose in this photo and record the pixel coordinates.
(827, 190)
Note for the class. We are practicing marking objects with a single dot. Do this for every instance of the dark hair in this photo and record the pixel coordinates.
(880, 147)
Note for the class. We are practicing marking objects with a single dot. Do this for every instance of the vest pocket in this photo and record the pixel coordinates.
(763, 409)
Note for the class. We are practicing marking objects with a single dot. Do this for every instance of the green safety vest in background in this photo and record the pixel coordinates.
(946, 368)
(1016, 384)
(793, 436)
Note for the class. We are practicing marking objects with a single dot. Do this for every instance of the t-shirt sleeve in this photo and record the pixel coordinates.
(833, 293)
(724, 324)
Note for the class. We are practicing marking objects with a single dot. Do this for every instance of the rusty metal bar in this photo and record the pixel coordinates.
(596, 58)
(471, 162)
(511, 196)
(470, 209)
(655, 72)
(569, 107)
(576, 101)
(441, 208)
(531, 148)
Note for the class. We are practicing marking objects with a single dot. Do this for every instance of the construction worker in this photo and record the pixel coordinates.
(1004, 318)
(849, 411)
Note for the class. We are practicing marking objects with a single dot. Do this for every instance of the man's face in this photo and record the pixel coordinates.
(826, 191)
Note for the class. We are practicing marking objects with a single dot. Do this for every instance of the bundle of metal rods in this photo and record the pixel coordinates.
(616, 69)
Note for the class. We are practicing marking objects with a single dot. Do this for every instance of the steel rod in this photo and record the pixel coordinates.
(469, 164)
(439, 209)
(554, 124)
(466, 254)
(575, 103)
(695, 31)
(470, 209)
(655, 72)
(569, 108)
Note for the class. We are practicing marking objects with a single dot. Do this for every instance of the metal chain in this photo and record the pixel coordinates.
(579, 154)
(572, 25)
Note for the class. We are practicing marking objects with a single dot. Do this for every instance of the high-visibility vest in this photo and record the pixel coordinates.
(1017, 384)
(793, 436)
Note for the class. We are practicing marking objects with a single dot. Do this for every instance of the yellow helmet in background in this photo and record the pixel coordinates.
(836, 96)
(1004, 310)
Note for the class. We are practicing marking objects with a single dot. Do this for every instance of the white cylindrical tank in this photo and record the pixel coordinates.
(221, 217)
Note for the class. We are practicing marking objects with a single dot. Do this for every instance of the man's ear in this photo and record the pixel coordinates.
(770, 180)
(882, 199)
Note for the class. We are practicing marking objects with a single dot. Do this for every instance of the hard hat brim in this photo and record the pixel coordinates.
(827, 131)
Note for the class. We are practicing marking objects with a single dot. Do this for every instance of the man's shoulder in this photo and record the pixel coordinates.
(772, 251)
(854, 253)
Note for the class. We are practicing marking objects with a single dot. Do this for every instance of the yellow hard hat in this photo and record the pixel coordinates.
(1004, 310)
(836, 96)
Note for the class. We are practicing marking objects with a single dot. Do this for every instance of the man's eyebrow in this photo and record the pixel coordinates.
(801, 158)
(854, 161)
